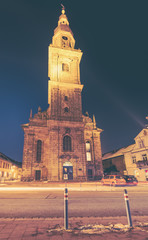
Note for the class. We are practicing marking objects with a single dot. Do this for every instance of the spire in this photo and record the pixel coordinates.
(63, 20)
(94, 121)
(39, 109)
(31, 113)
(63, 35)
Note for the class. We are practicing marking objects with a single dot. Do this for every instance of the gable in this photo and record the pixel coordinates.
(142, 134)
(141, 140)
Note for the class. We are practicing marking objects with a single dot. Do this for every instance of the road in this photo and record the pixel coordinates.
(49, 203)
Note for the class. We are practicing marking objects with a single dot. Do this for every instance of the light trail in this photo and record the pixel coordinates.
(79, 189)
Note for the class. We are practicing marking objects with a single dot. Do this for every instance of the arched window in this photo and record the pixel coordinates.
(67, 143)
(39, 149)
(88, 151)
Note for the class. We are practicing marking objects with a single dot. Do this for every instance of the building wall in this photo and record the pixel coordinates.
(131, 160)
(92, 135)
(136, 157)
(53, 156)
(131, 168)
(9, 171)
(118, 162)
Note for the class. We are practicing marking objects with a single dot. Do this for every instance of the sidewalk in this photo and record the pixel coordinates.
(57, 184)
(79, 228)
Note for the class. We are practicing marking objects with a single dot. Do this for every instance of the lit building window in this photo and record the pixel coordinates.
(65, 67)
(88, 151)
(39, 149)
(88, 156)
(67, 143)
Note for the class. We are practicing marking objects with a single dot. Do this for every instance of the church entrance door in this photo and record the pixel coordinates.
(37, 175)
(67, 171)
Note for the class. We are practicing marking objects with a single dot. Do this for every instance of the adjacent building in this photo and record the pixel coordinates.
(113, 162)
(61, 143)
(9, 169)
(136, 156)
(131, 160)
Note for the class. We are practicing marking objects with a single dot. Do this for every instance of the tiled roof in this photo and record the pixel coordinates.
(3, 156)
(63, 28)
(117, 153)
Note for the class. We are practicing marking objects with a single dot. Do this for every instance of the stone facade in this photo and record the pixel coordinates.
(61, 143)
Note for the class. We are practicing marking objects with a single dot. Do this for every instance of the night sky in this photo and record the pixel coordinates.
(113, 36)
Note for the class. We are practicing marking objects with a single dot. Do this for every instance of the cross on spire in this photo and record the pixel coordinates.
(63, 8)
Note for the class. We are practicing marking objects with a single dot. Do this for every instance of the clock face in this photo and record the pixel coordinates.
(65, 38)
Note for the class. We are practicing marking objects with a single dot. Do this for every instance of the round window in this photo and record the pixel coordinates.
(65, 38)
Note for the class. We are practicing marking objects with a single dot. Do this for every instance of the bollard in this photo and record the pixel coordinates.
(66, 208)
(127, 208)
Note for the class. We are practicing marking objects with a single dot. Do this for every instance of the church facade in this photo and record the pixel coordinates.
(61, 143)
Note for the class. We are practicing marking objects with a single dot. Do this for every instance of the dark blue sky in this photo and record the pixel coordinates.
(113, 36)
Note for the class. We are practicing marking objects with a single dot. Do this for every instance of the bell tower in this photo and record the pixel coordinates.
(64, 86)
(60, 143)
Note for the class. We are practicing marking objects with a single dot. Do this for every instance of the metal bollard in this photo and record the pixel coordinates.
(66, 208)
(127, 208)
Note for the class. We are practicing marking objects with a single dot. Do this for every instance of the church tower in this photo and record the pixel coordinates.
(61, 143)
(64, 88)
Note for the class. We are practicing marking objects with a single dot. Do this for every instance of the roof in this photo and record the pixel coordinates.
(65, 28)
(117, 153)
(4, 157)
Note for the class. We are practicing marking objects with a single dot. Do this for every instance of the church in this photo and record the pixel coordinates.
(61, 143)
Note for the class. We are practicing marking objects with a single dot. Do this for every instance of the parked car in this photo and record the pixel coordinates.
(113, 180)
(130, 179)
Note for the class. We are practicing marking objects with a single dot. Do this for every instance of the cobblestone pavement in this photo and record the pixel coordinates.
(47, 228)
